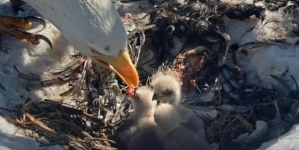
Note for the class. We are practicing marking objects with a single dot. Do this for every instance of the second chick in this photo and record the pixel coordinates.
(167, 89)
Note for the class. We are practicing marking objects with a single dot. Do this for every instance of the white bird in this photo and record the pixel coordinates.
(93, 27)
(143, 104)
(147, 136)
(166, 86)
(167, 89)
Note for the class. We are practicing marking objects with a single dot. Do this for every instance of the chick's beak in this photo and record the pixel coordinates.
(155, 96)
(122, 66)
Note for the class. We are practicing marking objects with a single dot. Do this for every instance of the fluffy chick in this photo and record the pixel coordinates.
(167, 89)
(167, 86)
(146, 137)
(143, 104)
(175, 136)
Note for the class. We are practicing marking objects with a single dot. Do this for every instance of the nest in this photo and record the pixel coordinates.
(63, 125)
(237, 115)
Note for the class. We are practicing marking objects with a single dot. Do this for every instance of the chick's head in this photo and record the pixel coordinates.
(142, 102)
(167, 87)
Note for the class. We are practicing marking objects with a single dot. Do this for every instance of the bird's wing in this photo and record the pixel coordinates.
(182, 138)
(146, 139)
(195, 124)
(190, 120)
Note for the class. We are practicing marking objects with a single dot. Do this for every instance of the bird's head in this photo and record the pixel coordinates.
(167, 87)
(142, 101)
(121, 65)
(94, 28)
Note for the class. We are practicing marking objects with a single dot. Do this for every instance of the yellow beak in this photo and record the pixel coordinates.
(122, 66)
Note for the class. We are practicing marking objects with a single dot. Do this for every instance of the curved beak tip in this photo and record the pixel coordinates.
(123, 67)
(131, 78)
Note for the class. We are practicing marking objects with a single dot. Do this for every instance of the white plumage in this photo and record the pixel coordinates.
(88, 23)
(95, 29)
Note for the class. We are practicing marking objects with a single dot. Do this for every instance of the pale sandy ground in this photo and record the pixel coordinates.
(28, 58)
(40, 59)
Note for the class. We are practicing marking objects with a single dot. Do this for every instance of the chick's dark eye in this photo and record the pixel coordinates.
(151, 87)
(167, 92)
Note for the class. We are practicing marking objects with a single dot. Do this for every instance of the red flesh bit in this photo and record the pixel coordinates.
(131, 91)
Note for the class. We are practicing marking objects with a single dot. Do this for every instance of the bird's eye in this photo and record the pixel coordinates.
(151, 87)
(167, 92)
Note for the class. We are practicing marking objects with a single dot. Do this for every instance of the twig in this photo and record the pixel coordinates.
(40, 126)
(101, 139)
(50, 144)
